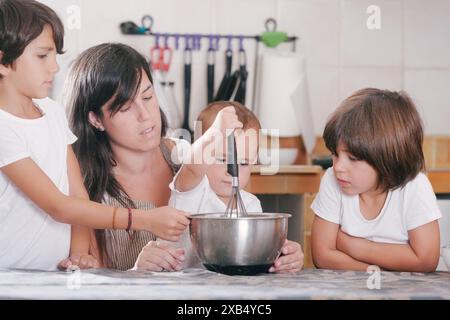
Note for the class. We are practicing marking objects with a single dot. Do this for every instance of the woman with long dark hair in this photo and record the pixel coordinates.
(124, 160)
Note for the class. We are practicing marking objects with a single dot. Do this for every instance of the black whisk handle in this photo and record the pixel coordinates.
(232, 165)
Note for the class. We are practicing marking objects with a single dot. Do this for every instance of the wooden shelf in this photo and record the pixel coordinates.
(440, 180)
(290, 169)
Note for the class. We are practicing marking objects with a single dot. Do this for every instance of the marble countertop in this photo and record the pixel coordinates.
(203, 285)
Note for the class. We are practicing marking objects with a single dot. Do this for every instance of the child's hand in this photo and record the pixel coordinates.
(226, 120)
(159, 256)
(290, 260)
(81, 260)
(166, 222)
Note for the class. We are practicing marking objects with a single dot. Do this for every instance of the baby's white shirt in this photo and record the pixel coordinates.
(202, 199)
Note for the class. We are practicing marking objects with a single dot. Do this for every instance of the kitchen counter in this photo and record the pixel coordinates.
(204, 285)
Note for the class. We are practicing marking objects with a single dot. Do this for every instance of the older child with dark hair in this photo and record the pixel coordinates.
(376, 206)
(41, 188)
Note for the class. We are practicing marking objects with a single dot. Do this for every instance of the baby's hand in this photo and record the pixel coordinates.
(226, 121)
(81, 260)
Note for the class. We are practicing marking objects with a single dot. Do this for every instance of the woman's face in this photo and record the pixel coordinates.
(137, 125)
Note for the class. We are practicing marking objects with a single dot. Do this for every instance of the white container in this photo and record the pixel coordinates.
(445, 256)
(444, 227)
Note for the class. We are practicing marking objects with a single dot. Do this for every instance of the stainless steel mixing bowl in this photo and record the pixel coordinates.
(242, 245)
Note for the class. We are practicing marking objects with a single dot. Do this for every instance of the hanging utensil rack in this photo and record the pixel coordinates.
(193, 41)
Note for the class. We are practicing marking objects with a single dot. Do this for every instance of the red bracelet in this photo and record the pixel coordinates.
(130, 220)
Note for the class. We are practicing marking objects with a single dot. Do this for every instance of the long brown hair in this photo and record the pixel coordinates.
(109, 71)
(384, 129)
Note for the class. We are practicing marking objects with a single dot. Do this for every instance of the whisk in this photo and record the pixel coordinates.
(235, 204)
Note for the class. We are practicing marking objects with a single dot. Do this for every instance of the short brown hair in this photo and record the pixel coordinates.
(384, 129)
(246, 116)
(22, 21)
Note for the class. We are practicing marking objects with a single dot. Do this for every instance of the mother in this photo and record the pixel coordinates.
(124, 159)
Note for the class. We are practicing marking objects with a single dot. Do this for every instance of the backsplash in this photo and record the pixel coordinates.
(410, 51)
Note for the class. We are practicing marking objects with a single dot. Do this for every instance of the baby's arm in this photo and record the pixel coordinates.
(420, 255)
(325, 253)
(203, 150)
(192, 173)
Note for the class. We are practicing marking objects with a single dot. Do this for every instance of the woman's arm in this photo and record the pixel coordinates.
(165, 222)
(324, 251)
(420, 255)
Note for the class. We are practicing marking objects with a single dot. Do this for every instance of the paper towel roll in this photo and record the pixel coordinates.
(302, 107)
(283, 95)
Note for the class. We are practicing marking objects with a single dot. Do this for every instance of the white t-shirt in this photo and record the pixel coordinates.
(203, 199)
(29, 237)
(404, 209)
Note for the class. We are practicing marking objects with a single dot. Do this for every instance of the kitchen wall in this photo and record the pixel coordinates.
(410, 51)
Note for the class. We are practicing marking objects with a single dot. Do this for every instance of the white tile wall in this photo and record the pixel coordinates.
(354, 78)
(316, 22)
(427, 33)
(320, 80)
(430, 89)
(243, 16)
(411, 50)
(361, 46)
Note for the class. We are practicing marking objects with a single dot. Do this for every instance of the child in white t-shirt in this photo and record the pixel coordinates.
(376, 206)
(41, 188)
(203, 185)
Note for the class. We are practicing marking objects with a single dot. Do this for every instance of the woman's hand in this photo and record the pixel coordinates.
(159, 256)
(166, 222)
(81, 260)
(290, 260)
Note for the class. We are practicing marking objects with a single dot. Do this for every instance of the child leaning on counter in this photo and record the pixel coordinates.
(375, 205)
